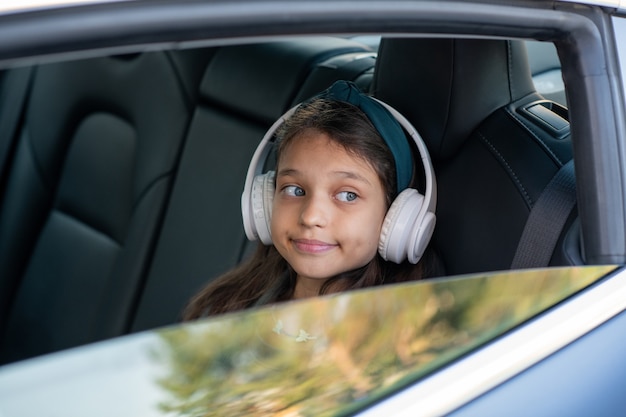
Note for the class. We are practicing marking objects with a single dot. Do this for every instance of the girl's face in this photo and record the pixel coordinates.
(328, 210)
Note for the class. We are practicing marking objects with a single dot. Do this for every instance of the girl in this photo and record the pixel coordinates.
(336, 178)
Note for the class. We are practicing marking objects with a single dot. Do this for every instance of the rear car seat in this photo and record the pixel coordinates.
(467, 98)
(88, 182)
(244, 90)
(83, 255)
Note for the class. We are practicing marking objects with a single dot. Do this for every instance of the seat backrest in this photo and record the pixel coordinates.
(84, 198)
(469, 99)
(244, 90)
(122, 197)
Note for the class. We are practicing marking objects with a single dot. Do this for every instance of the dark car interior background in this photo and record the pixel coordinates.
(121, 176)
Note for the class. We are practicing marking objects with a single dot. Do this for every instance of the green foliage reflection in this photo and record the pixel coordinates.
(332, 355)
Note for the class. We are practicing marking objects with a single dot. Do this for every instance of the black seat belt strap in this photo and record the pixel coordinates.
(546, 220)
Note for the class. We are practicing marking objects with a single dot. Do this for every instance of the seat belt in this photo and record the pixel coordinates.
(546, 220)
(13, 98)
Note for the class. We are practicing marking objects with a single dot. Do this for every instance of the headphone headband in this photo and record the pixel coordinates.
(430, 193)
(384, 122)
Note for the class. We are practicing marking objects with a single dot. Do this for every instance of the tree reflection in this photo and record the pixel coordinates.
(334, 354)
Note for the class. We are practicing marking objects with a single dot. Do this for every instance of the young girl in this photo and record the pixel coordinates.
(336, 178)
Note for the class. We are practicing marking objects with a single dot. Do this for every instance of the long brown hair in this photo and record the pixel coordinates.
(266, 276)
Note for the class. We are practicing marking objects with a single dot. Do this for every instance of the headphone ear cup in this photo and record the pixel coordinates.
(407, 228)
(262, 199)
(422, 233)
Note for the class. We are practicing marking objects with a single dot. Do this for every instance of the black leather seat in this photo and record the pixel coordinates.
(493, 159)
(122, 198)
(96, 153)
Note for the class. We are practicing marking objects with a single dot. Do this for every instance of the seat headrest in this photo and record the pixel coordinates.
(447, 87)
(261, 80)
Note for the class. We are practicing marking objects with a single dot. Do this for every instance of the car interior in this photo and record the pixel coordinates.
(121, 176)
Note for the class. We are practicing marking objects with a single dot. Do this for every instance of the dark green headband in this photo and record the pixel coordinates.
(384, 122)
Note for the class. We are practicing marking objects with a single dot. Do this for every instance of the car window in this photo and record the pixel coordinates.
(332, 355)
(546, 70)
(180, 126)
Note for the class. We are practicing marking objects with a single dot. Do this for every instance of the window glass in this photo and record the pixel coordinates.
(330, 353)
(323, 356)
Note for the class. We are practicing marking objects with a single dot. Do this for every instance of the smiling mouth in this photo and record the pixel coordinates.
(313, 246)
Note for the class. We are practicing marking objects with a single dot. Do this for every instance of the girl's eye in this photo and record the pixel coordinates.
(347, 196)
(293, 191)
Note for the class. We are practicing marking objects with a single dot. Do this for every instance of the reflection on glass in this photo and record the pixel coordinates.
(333, 355)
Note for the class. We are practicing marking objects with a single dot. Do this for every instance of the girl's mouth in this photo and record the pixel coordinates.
(313, 246)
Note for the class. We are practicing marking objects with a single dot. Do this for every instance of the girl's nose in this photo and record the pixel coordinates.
(314, 212)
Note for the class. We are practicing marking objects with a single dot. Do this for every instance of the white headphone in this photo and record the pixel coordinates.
(408, 224)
